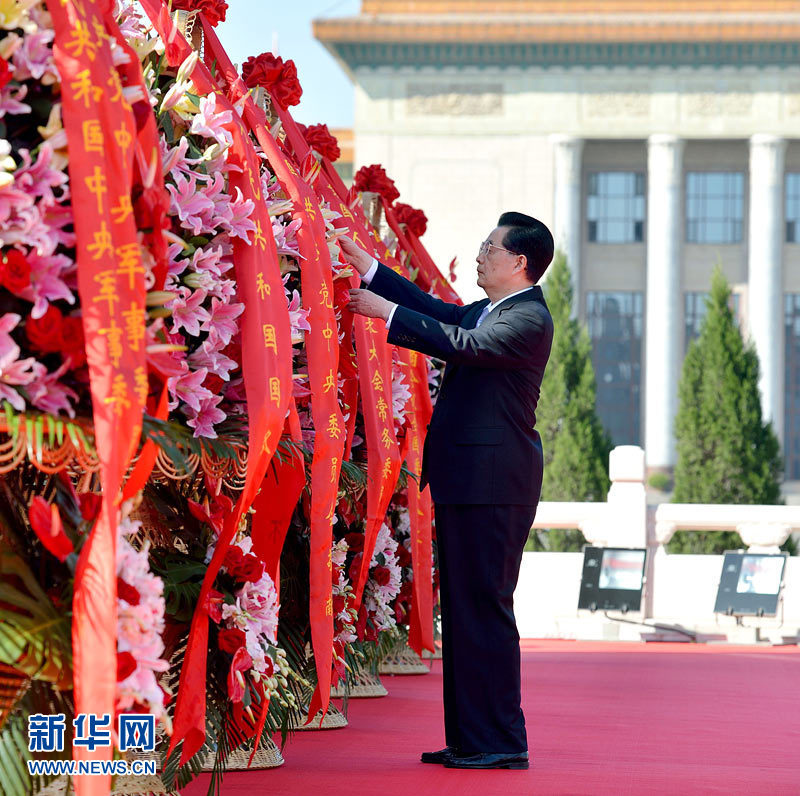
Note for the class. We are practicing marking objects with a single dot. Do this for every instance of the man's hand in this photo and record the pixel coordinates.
(362, 302)
(355, 255)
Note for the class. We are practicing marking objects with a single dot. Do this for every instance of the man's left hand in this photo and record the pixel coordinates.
(364, 302)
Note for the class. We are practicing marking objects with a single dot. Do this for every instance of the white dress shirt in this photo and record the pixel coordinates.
(373, 269)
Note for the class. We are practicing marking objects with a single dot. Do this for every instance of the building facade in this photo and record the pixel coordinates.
(658, 138)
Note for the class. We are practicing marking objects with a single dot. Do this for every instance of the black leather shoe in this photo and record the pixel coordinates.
(442, 756)
(519, 761)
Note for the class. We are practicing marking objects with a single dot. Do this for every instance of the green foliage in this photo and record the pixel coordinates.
(660, 481)
(576, 447)
(726, 452)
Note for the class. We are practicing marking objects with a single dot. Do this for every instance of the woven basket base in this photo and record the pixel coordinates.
(123, 786)
(402, 660)
(334, 720)
(363, 685)
(267, 756)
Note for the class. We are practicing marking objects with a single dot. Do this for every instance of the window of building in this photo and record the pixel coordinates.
(791, 444)
(793, 207)
(694, 312)
(615, 207)
(714, 206)
(615, 326)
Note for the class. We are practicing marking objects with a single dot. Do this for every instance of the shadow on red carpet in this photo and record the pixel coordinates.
(602, 717)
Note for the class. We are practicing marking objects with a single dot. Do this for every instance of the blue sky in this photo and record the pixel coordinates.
(250, 28)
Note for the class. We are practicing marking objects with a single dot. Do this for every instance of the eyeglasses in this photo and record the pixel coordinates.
(486, 245)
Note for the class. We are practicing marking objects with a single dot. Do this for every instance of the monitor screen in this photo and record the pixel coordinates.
(760, 575)
(622, 569)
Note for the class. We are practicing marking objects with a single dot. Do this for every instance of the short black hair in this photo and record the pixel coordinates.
(529, 236)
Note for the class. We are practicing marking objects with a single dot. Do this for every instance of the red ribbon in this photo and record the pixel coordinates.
(101, 131)
(266, 365)
(322, 347)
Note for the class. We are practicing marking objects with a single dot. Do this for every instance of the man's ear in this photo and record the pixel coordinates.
(522, 261)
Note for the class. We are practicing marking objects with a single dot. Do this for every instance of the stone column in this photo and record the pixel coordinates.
(664, 302)
(567, 152)
(765, 271)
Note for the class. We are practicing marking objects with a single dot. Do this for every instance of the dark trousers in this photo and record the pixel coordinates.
(480, 552)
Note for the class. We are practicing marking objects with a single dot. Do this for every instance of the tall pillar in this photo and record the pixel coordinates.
(765, 270)
(567, 157)
(662, 322)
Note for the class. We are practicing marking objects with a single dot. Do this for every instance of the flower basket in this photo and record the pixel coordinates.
(334, 720)
(402, 660)
(267, 756)
(363, 685)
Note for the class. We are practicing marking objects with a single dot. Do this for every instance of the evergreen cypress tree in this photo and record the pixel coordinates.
(726, 452)
(576, 447)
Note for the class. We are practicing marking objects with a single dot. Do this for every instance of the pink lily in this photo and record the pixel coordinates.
(210, 122)
(49, 395)
(187, 311)
(239, 225)
(222, 320)
(210, 357)
(205, 418)
(192, 207)
(189, 388)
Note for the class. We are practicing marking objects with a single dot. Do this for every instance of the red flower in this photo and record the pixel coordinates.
(46, 523)
(214, 383)
(381, 576)
(214, 10)
(373, 178)
(73, 344)
(277, 76)
(214, 602)
(355, 541)
(45, 333)
(233, 558)
(401, 613)
(15, 273)
(5, 73)
(220, 507)
(355, 567)
(126, 666)
(127, 592)
(231, 639)
(403, 556)
(338, 604)
(269, 667)
(250, 569)
(90, 505)
(242, 662)
(414, 219)
(371, 633)
(319, 137)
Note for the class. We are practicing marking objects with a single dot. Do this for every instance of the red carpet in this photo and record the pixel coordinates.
(603, 718)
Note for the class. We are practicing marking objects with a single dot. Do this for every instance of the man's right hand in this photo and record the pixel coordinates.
(355, 255)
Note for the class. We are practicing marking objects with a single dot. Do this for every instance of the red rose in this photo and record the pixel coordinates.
(231, 639)
(403, 556)
(214, 383)
(15, 272)
(127, 592)
(214, 10)
(338, 604)
(381, 576)
(355, 541)
(373, 178)
(233, 558)
(73, 344)
(361, 623)
(275, 75)
(319, 137)
(414, 219)
(355, 567)
(126, 666)
(44, 333)
(90, 505)
(251, 569)
(5, 73)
